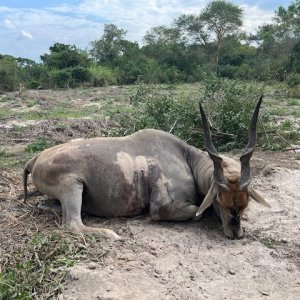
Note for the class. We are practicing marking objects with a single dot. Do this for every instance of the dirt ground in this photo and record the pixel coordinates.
(166, 260)
(194, 260)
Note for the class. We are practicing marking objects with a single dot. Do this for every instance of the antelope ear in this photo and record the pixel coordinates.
(257, 197)
(208, 200)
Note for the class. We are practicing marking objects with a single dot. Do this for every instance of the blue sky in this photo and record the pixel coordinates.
(29, 28)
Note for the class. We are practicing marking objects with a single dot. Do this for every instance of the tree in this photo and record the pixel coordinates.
(65, 56)
(192, 29)
(109, 47)
(165, 46)
(162, 35)
(288, 20)
(221, 18)
(9, 73)
(278, 44)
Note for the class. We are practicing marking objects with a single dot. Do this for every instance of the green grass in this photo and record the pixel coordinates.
(37, 268)
(7, 112)
(5, 98)
(5, 154)
(31, 103)
(294, 102)
(9, 159)
(13, 160)
(63, 111)
(287, 125)
(39, 145)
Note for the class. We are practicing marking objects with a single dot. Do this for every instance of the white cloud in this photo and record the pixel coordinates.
(84, 23)
(255, 17)
(134, 16)
(8, 24)
(26, 34)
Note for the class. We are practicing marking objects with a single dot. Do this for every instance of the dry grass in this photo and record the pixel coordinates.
(35, 251)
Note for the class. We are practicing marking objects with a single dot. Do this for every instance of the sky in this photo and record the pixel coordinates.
(29, 27)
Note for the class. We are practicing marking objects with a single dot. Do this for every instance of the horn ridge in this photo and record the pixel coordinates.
(207, 134)
(216, 158)
(248, 151)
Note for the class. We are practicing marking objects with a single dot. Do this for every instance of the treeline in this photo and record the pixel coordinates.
(194, 46)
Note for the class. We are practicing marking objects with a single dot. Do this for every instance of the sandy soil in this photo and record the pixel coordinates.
(194, 260)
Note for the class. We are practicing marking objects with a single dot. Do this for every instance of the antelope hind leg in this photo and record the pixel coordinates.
(71, 202)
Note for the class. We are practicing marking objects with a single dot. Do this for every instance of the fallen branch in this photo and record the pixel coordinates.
(292, 149)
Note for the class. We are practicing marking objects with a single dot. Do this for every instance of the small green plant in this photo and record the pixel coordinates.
(294, 92)
(293, 79)
(141, 94)
(39, 145)
(31, 103)
(286, 125)
(268, 241)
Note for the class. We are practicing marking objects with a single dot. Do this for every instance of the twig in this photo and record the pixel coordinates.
(289, 144)
(173, 126)
(292, 149)
(223, 133)
(52, 252)
(266, 133)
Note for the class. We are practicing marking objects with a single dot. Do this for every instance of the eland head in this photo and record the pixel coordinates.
(230, 188)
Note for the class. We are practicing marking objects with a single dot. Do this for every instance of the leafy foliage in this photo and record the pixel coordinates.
(65, 56)
(229, 105)
(153, 108)
(101, 76)
(9, 74)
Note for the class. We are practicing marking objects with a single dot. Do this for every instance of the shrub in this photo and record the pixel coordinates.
(229, 106)
(80, 75)
(9, 74)
(294, 92)
(293, 79)
(162, 110)
(59, 78)
(101, 76)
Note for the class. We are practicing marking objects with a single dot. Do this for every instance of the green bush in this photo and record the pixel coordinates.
(9, 74)
(102, 76)
(229, 106)
(294, 92)
(293, 79)
(153, 108)
(80, 75)
(60, 78)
